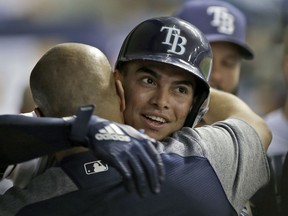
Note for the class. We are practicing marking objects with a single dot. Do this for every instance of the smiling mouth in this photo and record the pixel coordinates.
(157, 119)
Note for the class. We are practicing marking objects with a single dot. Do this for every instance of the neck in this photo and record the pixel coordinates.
(62, 154)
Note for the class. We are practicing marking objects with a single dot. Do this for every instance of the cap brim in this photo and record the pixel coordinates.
(245, 50)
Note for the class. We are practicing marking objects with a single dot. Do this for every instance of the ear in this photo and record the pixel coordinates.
(38, 112)
(119, 89)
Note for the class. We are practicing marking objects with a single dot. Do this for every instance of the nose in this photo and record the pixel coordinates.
(160, 98)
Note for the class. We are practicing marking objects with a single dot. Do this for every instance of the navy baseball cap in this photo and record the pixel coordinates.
(219, 21)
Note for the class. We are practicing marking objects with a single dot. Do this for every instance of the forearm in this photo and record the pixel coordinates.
(224, 105)
(23, 138)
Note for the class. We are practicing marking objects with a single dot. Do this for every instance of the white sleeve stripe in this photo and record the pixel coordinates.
(116, 129)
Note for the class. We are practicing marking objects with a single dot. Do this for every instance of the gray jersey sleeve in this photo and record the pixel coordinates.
(51, 183)
(233, 149)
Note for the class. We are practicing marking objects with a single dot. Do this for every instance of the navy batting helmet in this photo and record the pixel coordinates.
(173, 41)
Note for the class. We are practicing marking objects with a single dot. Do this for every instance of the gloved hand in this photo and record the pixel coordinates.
(130, 152)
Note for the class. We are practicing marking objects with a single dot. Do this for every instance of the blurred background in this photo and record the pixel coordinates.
(28, 28)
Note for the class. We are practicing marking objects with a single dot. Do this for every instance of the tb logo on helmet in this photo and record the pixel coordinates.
(174, 39)
(222, 19)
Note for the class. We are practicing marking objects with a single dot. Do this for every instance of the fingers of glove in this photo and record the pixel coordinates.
(125, 171)
(130, 169)
(151, 173)
(138, 174)
(156, 158)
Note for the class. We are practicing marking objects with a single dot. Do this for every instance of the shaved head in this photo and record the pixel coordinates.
(70, 75)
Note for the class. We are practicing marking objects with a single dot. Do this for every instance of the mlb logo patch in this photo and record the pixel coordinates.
(95, 167)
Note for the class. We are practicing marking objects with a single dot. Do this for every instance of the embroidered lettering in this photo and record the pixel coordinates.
(222, 19)
(174, 40)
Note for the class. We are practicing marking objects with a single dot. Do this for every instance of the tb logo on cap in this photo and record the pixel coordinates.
(222, 19)
(174, 39)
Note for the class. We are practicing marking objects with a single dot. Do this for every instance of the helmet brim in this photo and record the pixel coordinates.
(168, 59)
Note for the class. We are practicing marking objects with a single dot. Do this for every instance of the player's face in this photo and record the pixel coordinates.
(226, 67)
(158, 97)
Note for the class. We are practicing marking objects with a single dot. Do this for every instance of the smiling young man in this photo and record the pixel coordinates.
(165, 72)
(159, 97)
(165, 76)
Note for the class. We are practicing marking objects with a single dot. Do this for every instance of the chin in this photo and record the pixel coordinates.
(153, 135)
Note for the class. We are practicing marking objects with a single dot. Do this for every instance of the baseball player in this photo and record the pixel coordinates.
(206, 168)
(61, 81)
(224, 26)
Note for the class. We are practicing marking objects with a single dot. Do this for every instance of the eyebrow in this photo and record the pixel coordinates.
(155, 74)
(186, 82)
(233, 56)
(147, 70)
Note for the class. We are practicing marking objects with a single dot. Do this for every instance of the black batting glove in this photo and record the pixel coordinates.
(130, 152)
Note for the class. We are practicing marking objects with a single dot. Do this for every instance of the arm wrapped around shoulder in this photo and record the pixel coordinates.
(23, 138)
(130, 152)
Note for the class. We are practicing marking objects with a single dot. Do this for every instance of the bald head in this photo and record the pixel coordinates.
(70, 75)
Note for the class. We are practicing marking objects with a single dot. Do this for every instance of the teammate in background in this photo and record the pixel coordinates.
(224, 26)
(165, 68)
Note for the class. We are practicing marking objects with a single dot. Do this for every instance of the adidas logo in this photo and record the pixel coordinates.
(112, 132)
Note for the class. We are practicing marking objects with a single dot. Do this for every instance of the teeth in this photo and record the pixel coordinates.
(155, 118)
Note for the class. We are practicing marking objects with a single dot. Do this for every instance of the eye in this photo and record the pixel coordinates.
(231, 62)
(148, 80)
(182, 90)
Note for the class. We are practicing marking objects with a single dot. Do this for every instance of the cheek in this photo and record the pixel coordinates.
(135, 100)
(182, 109)
(128, 93)
(233, 77)
(229, 75)
(181, 115)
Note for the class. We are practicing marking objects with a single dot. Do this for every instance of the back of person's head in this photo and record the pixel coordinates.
(175, 42)
(220, 21)
(70, 75)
